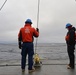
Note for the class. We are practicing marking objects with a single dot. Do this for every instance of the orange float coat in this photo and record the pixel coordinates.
(26, 33)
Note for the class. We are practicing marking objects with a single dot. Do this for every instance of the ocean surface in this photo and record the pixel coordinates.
(51, 51)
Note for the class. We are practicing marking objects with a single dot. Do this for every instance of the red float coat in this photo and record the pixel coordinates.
(26, 33)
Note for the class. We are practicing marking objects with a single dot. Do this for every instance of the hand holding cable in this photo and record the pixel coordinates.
(37, 29)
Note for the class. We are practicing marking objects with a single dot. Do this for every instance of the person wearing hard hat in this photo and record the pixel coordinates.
(70, 41)
(25, 40)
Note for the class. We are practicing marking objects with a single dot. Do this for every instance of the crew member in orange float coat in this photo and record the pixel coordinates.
(25, 38)
(70, 41)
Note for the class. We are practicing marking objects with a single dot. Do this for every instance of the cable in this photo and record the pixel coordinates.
(38, 13)
(5, 65)
(3, 5)
(37, 23)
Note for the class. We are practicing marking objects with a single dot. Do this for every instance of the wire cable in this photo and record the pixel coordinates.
(37, 23)
(38, 13)
(3, 5)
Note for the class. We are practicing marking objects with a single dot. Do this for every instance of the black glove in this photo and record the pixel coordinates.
(19, 45)
(37, 29)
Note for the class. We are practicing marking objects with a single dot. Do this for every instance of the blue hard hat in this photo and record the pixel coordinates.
(68, 24)
(28, 21)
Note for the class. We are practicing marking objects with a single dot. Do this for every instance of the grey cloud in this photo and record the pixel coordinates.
(53, 16)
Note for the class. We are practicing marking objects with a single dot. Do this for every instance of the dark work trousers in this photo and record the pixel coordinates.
(70, 50)
(27, 49)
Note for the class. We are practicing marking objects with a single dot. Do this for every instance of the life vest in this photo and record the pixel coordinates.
(67, 37)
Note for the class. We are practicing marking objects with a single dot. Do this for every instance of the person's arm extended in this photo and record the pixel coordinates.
(36, 32)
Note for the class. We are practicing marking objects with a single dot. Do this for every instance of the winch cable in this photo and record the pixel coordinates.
(37, 23)
(3, 5)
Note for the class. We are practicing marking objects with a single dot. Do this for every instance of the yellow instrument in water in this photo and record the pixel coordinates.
(37, 61)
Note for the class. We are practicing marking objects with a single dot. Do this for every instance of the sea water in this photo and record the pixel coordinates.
(51, 51)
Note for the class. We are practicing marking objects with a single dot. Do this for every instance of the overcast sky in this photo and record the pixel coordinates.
(53, 16)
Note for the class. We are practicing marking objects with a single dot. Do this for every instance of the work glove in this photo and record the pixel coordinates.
(20, 46)
(37, 29)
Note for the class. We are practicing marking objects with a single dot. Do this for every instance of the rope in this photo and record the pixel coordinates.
(37, 23)
(3, 5)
